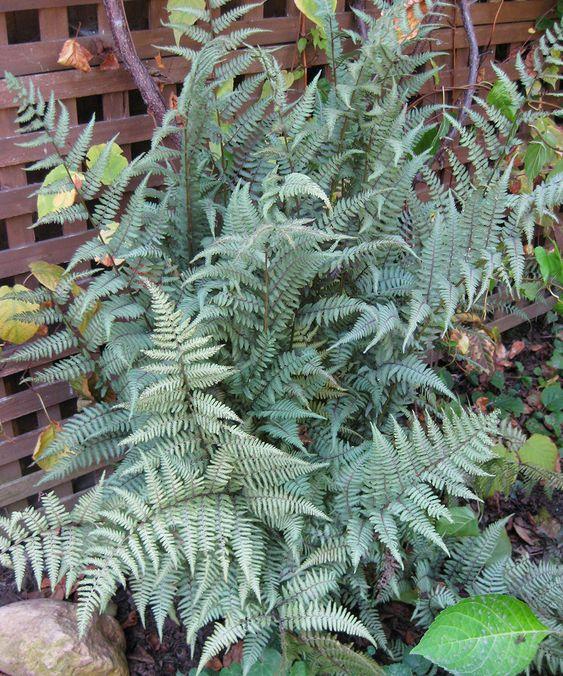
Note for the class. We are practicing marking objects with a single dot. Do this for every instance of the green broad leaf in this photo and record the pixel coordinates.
(497, 380)
(539, 451)
(50, 203)
(502, 100)
(551, 266)
(430, 139)
(313, 9)
(557, 169)
(463, 524)
(299, 669)
(491, 635)
(268, 664)
(502, 550)
(552, 397)
(508, 403)
(531, 289)
(115, 165)
(502, 473)
(536, 157)
(183, 17)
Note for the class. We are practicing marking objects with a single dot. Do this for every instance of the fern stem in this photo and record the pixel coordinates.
(266, 289)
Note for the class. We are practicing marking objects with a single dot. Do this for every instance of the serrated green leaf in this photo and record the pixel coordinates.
(491, 635)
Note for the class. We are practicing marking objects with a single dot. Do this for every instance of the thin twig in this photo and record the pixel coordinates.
(128, 54)
(471, 86)
(465, 7)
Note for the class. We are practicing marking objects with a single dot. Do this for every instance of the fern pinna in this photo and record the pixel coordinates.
(252, 338)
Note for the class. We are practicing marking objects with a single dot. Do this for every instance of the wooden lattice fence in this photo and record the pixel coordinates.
(31, 35)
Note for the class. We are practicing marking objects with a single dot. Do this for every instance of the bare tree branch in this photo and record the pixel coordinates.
(474, 59)
(128, 54)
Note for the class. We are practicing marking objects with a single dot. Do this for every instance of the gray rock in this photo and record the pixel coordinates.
(40, 637)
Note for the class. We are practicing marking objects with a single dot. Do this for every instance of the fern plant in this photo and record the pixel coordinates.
(251, 338)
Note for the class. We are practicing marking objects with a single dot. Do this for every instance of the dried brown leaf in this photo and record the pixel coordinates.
(110, 62)
(74, 55)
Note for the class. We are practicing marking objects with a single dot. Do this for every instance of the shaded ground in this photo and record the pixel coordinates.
(523, 366)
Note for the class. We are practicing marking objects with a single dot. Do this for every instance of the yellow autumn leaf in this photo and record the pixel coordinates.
(46, 437)
(313, 9)
(180, 14)
(14, 330)
(49, 275)
(88, 316)
(116, 161)
(106, 235)
(49, 203)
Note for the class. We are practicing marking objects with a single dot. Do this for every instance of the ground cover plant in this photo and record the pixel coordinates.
(249, 345)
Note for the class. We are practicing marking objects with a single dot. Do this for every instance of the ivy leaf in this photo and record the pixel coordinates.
(501, 99)
(49, 203)
(502, 473)
(536, 157)
(491, 635)
(180, 15)
(539, 451)
(14, 330)
(116, 161)
(463, 524)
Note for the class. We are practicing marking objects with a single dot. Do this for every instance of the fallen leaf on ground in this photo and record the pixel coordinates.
(73, 54)
(154, 642)
(131, 620)
(523, 532)
(214, 664)
(547, 524)
(481, 404)
(139, 654)
(234, 654)
(516, 347)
